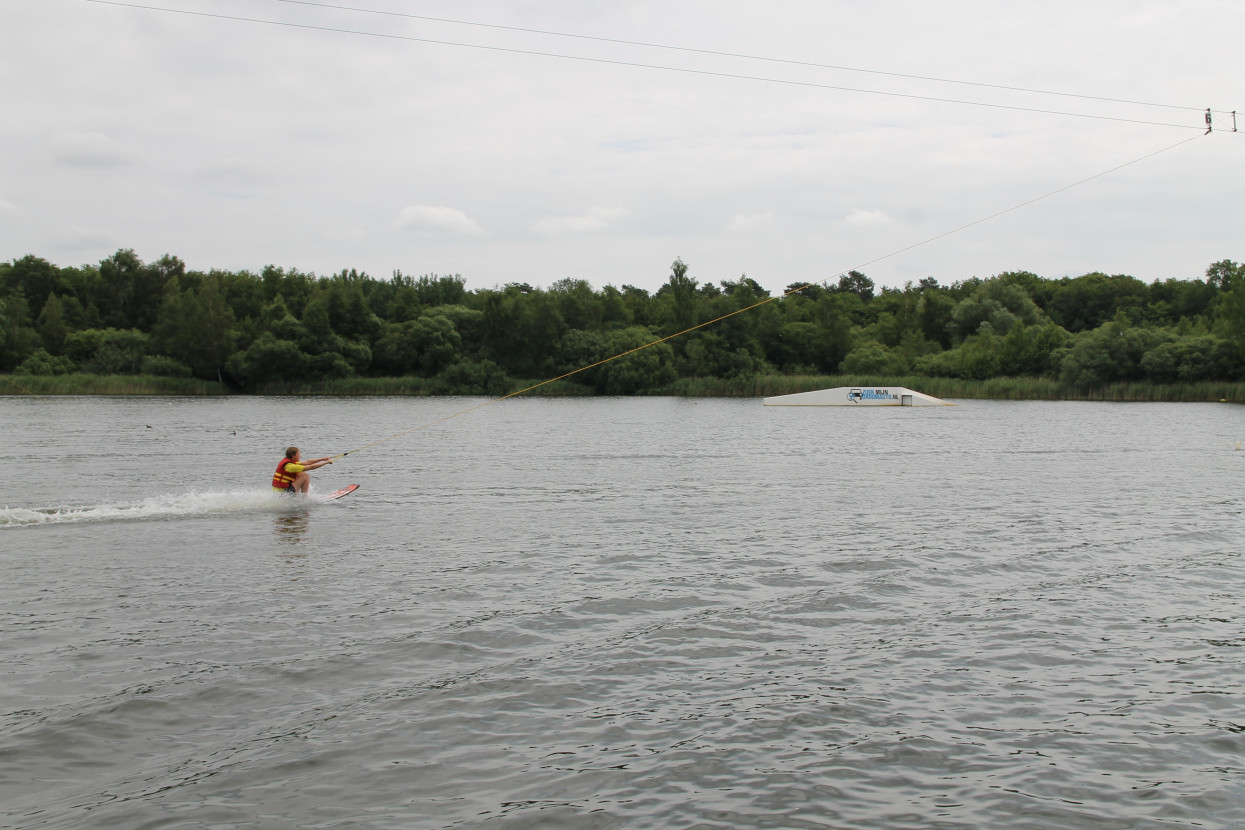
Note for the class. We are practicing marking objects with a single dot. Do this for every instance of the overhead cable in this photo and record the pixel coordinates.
(716, 53)
(634, 64)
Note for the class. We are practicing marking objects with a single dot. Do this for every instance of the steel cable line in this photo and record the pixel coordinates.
(786, 61)
(788, 293)
(634, 64)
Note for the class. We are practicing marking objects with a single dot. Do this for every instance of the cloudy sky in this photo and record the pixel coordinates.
(525, 141)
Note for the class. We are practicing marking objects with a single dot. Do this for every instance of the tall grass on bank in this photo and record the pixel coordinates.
(408, 386)
(350, 387)
(80, 384)
(1178, 392)
(1013, 389)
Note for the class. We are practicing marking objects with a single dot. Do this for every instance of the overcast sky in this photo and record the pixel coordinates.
(237, 144)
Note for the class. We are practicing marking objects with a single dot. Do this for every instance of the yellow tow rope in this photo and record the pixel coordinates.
(767, 299)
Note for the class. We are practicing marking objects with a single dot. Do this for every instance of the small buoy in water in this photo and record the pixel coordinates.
(1238, 445)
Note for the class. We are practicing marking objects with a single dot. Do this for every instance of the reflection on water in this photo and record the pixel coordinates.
(290, 528)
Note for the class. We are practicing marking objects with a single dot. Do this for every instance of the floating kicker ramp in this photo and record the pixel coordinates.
(858, 396)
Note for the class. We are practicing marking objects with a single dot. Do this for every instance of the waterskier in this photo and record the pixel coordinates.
(291, 475)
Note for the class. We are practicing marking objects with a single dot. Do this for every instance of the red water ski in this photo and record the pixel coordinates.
(345, 491)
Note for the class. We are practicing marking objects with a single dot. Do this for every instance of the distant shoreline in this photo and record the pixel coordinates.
(756, 387)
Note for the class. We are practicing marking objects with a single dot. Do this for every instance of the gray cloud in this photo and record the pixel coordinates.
(860, 217)
(435, 219)
(89, 149)
(595, 219)
(74, 239)
(236, 145)
(752, 221)
(233, 175)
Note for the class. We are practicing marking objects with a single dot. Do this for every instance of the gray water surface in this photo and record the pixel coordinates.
(622, 613)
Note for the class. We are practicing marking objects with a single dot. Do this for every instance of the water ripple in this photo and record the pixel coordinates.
(609, 614)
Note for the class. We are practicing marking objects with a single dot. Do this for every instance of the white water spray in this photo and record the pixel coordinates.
(161, 507)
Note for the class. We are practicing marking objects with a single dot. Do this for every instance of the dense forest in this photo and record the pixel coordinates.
(250, 331)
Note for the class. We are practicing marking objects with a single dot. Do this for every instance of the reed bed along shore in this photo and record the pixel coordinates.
(1017, 389)
(410, 386)
(1014, 389)
(79, 384)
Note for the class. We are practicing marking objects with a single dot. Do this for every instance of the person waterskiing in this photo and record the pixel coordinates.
(291, 475)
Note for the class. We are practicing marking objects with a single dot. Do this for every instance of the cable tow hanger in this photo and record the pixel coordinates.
(1208, 124)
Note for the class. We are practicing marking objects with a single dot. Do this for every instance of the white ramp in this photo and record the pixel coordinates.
(858, 396)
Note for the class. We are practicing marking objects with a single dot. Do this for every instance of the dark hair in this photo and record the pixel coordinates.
(290, 452)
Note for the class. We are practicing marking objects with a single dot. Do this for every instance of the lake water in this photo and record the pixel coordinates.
(622, 613)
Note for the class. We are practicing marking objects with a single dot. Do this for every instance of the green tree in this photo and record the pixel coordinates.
(797, 347)
(638, 305)
(521, 330)
(682, 289)
(1088, 365)
(977, 358)
(872, 358)
(317, 335)
(1031, 350)
(1226, 274)
(854, 282)
(468, 322)
(471, 377)
(130, 292)
(441, 290)
(650, 368)
(437, 342)
(293, 286)
(287, 327)
(646, 367)
(163, 366)
(934, 311)
(149, 289)
(811, 292)
(51, 324)
(1229, 309)
(895, 315)
(709, 354)
(995, 307)
(1189, 359)
(42, 363)
(614, 313)
(742, 324)
(270, 359)
(18, 339)
(195, 328)
(349, 312)
(1112, 352)
(1087, 302)
(832, 315)
(107, 351)
(427, 345)
(578, 304)
(34, 278)
(396, 351)
(1173, 300)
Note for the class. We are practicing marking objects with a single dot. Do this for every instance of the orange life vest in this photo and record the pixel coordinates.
(281, 480)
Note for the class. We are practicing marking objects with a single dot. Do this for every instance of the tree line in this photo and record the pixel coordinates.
(248, 330)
